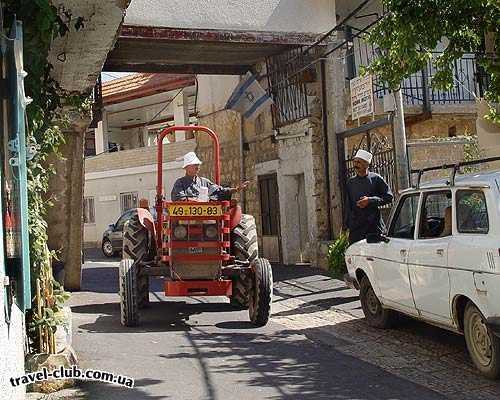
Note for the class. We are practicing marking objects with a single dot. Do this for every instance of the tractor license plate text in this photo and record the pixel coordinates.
(194, 211)
(196, 250)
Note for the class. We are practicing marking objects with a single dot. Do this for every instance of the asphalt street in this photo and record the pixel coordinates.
(201, 348)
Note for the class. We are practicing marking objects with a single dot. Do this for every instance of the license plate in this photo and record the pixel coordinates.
(194, 211)
(195, 250)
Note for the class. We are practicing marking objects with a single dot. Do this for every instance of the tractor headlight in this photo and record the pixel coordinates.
(211, 231)
(180, 232)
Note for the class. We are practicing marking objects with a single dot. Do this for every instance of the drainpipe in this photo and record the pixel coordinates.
(324, 119)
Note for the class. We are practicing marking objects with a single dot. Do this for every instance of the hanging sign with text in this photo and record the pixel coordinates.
(361, 96)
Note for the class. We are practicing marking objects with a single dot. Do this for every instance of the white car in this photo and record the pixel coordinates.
(439, 262)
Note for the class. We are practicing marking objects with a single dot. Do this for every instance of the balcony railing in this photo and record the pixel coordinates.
(469, 79)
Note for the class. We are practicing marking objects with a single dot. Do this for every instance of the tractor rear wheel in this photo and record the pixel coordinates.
(261, 296)
(136, 248)
(245, 248)
(129, 307)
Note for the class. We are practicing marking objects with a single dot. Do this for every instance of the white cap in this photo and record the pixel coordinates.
(364, 155)
(191, 159)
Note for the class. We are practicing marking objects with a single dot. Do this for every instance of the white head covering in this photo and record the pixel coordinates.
(364, 155)
(191, 159)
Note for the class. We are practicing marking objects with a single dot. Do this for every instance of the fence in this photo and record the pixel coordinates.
(469, 78)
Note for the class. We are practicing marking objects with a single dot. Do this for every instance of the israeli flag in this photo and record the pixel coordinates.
(249, 98)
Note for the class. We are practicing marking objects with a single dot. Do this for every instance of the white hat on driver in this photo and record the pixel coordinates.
(191, 159)
(364, 155)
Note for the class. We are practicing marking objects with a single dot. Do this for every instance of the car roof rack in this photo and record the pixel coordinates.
(455, 167)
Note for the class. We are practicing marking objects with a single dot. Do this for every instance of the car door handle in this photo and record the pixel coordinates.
(402, 252)
(440, 252)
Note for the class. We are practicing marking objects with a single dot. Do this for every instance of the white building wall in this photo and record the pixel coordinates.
(214, 92)
(105, 188)
(295, 159)
(254, 15)
(11, 350)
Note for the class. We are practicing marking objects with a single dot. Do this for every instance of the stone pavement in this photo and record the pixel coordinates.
(330, 312)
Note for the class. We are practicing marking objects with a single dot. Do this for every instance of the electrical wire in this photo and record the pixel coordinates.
(325, 55)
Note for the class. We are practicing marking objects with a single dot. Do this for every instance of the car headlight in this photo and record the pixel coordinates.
(211, 231)
(180, 232)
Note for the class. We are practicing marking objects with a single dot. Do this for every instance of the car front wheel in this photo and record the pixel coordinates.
(107, 248)
(483, 345)
(375, 314)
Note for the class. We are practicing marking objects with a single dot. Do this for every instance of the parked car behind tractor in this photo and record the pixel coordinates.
(200, 248)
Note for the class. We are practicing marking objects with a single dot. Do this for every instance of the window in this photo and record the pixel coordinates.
(269, 203)
(436, 216)
(128, 200)
(88, 210)
(403, 223)
(472, 214)
(121, 221)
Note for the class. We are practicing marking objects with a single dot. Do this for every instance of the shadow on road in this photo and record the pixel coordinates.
(163, 316)
(100, 390)
(292, 365)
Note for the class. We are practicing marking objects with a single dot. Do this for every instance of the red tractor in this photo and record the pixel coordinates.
(200, 248)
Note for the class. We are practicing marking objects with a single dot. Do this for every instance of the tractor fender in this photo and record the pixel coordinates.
(235, 213)
(147, 220)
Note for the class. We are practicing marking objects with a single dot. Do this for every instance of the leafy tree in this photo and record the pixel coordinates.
(411, 30)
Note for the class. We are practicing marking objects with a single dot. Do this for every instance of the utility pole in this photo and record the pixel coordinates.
(399, 133)
(335, 82)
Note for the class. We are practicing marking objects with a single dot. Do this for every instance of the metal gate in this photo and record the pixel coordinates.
(382, 148)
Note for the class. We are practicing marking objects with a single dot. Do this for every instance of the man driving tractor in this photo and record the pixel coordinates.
(191, 186)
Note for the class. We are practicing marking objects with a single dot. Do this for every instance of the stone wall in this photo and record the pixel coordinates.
(297, 150)
(64, 218)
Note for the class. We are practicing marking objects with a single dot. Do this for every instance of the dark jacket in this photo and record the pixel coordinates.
(361, 221)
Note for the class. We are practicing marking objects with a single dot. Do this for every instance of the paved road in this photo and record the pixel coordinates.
(200, 348)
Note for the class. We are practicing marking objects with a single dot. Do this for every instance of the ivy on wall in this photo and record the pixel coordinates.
(42, 22)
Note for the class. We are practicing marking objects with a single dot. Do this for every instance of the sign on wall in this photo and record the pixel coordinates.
(361, 96)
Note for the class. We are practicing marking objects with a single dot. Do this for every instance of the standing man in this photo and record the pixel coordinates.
(191, 185)
(366, 192)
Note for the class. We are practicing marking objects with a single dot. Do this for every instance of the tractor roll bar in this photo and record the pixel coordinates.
(171, 129)
(159, 185)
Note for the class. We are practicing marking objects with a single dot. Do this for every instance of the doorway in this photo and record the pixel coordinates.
(270, 218)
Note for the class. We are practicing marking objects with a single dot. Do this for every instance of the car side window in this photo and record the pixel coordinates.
(472, 213)
(403, 223)
(121, 222)
(436, 215)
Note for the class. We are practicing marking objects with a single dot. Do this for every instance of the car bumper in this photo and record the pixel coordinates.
(494, 325)
(351, 282)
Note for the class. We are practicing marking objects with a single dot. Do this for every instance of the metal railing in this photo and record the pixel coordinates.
(469, 79)
(287, 88)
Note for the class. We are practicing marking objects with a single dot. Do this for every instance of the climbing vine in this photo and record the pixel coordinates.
(42, 22)
(411, 30)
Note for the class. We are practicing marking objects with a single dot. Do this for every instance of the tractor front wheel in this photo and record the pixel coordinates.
(261, 295)
(129, 305)
(136, 247)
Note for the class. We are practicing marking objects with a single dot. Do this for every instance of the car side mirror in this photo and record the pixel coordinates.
(376, 238)
(112, 226)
